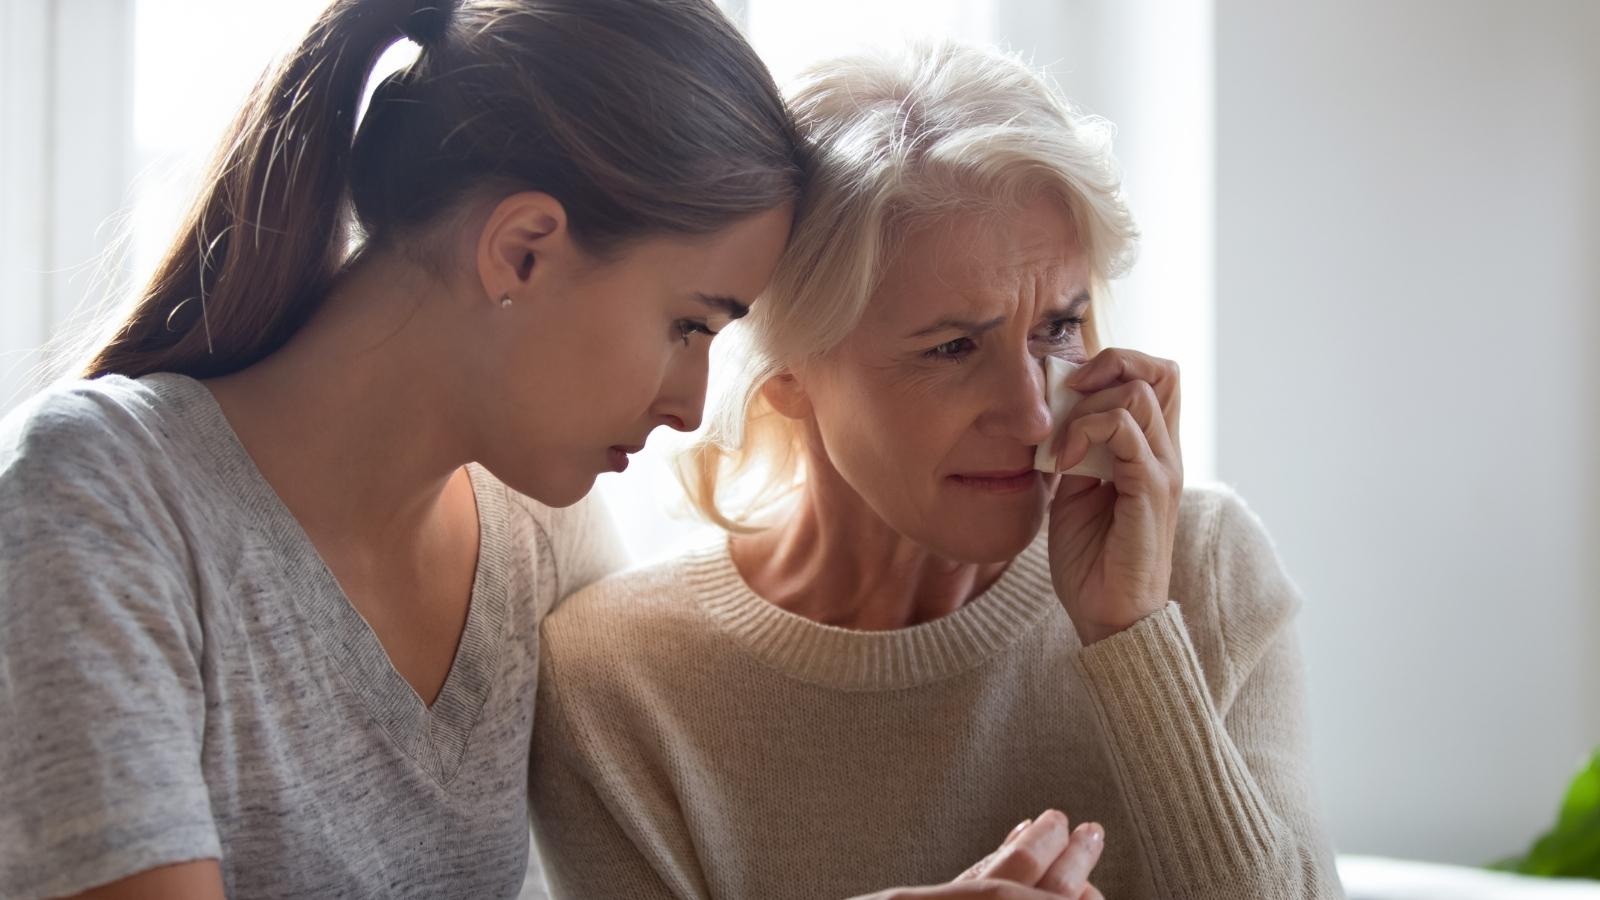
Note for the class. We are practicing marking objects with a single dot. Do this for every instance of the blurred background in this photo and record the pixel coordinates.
(1371, 240)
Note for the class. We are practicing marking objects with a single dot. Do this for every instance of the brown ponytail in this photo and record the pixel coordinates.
(640, 116)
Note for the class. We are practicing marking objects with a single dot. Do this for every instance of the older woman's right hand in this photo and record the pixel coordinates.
(1039, 860)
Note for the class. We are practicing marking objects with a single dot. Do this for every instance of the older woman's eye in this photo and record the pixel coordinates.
(954, 351)
(1062, 330)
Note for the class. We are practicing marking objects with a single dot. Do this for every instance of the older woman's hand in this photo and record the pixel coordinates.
(1111, 542)
(1039, 860)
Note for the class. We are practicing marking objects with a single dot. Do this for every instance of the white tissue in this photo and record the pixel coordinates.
(1062, 399)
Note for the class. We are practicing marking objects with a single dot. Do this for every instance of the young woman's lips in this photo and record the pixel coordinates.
(618, 456)
(999, 482)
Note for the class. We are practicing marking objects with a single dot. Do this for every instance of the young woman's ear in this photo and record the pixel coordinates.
(525, 235)
(787, 395)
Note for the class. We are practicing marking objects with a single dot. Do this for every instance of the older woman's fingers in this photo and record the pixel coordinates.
(985, 889)
(1116, 429)
(1027, 857)
(989, 889)
(1138, 398)
(1117, 364)
(977, 869)
(1070, 873)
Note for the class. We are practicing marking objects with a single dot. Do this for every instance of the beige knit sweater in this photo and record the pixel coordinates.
(695, 741)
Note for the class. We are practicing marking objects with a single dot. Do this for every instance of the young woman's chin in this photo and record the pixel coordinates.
(569, 494)
(554, 483)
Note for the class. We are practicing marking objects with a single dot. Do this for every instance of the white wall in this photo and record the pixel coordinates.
(1408, 306)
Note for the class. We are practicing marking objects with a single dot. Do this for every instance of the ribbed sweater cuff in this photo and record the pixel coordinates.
(1197, 809)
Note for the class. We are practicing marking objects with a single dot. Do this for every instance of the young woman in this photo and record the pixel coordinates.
(271, 574)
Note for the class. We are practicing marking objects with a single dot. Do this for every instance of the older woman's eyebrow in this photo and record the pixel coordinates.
(1082, 299)
(734, 308)
(975, 328)
(966, 325)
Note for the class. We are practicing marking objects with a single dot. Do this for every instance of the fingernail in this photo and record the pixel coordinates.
(1096, 833)
(1020, 826)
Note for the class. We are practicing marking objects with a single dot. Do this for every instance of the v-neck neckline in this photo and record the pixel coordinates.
(435, 737)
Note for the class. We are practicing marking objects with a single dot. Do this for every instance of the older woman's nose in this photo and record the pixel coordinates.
(1019, 408)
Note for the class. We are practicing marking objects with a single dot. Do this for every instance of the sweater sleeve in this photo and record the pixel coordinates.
(588, 799)
(1219, 787)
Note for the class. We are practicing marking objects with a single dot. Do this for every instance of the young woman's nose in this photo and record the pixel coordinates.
(682, 400)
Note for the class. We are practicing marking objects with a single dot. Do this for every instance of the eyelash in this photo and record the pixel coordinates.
(1075, 323)
(687, 327)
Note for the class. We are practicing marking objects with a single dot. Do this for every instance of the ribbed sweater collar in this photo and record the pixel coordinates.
(849, 660)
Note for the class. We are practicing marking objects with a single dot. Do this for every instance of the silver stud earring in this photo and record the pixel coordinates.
(505, 301)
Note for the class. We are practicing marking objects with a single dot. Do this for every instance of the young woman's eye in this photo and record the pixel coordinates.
(687, 327)
(1062, 330)
(954, 351)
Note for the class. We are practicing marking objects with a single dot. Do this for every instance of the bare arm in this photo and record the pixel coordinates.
(200, 879)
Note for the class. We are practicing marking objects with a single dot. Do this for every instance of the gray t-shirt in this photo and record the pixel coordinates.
(182, 678)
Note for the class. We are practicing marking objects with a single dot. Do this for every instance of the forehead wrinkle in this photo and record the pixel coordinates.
(989, 298)
(989, 277)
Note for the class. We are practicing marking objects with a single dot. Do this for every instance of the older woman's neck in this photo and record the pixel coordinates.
(836, 562)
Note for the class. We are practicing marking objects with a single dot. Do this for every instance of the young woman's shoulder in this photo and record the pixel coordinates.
(98, 488)
(82, 417)
(1230, 582)
(85, 443)
(91, 478)
(579, 543)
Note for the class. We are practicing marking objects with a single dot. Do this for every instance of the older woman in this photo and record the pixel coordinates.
(916, 639)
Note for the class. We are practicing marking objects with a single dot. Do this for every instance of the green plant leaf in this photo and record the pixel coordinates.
(1571, 849)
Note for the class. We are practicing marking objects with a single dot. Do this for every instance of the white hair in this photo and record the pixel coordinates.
(899, 139)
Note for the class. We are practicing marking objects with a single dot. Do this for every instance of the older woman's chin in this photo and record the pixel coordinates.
(992, 538)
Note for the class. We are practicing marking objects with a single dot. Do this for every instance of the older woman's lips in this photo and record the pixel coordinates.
(999, 482)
